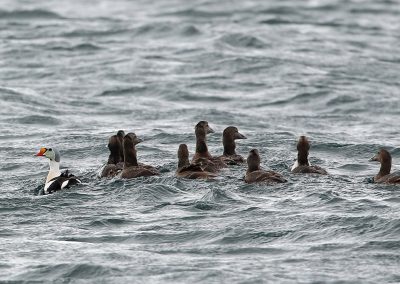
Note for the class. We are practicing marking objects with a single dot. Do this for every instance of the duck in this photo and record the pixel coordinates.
(230, 134)
(302, 165)
(56, 180)
(384, 175)
(115, 161)
(188, 170)
(132, 169)
(255, 174)
(202, 155)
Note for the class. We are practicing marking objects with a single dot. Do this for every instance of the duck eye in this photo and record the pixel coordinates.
(49, 149)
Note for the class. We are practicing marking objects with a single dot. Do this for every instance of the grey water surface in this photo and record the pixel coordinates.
(74, 72)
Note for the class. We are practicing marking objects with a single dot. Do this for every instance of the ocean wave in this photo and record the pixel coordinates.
(55, 272)
(29, 14)
(23, 96)
(190, 31)
(300, 98)
(200, 98)
(36, 119)
(243, 40)
(85, 33)
(340, 100)
(196, 13)
(278, 21)
(154, 28)
(122, 91)
(107, 222)
(247, 237)
(78, 47)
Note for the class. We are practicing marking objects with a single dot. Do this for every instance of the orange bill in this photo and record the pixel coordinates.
(41, 151)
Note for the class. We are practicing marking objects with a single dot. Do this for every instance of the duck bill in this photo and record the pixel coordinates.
(138, 140)
(240, 136)
(41, 152)
(209, 130)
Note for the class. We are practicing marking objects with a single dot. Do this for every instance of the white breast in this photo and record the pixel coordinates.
(47, 185)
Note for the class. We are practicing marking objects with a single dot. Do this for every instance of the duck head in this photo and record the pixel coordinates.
(253, 160)
(183, 155)
(131, 139)
(229, 136)
(51, 153)
(384, 157)
(232, 133)
(202, 129)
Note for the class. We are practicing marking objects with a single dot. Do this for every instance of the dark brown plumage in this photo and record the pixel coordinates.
(255, 174)
(115, 161)
(131, 167)
(302, 165)
(229, 136)
(384, 175)
(202, 156)
(201, 130)
(187, 170)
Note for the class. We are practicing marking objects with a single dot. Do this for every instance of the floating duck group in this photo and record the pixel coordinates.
(122, 161)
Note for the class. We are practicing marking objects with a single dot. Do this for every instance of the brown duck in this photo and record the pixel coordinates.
(229, 136)
(187, 170)
(302, 165)
(131, 167)
(115, 161)
(202, 156)
(255, 174)
(384, 175)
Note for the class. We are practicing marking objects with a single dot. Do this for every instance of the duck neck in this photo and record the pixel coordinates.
(201, 147)
(116, 150)
(183, 162)
(114, 158)
(302, 159)
(253, 163)
(229, 146)
(130, 159)
(386, 166)
(253, 167)
(54, 170)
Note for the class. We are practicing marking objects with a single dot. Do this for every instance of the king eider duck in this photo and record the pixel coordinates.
(133, 169)
(384, 175)
(202, 156)
(229, 136)
(188, 170)
(115, 161)
(55, 179)
(255, 174)
(302, 165)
